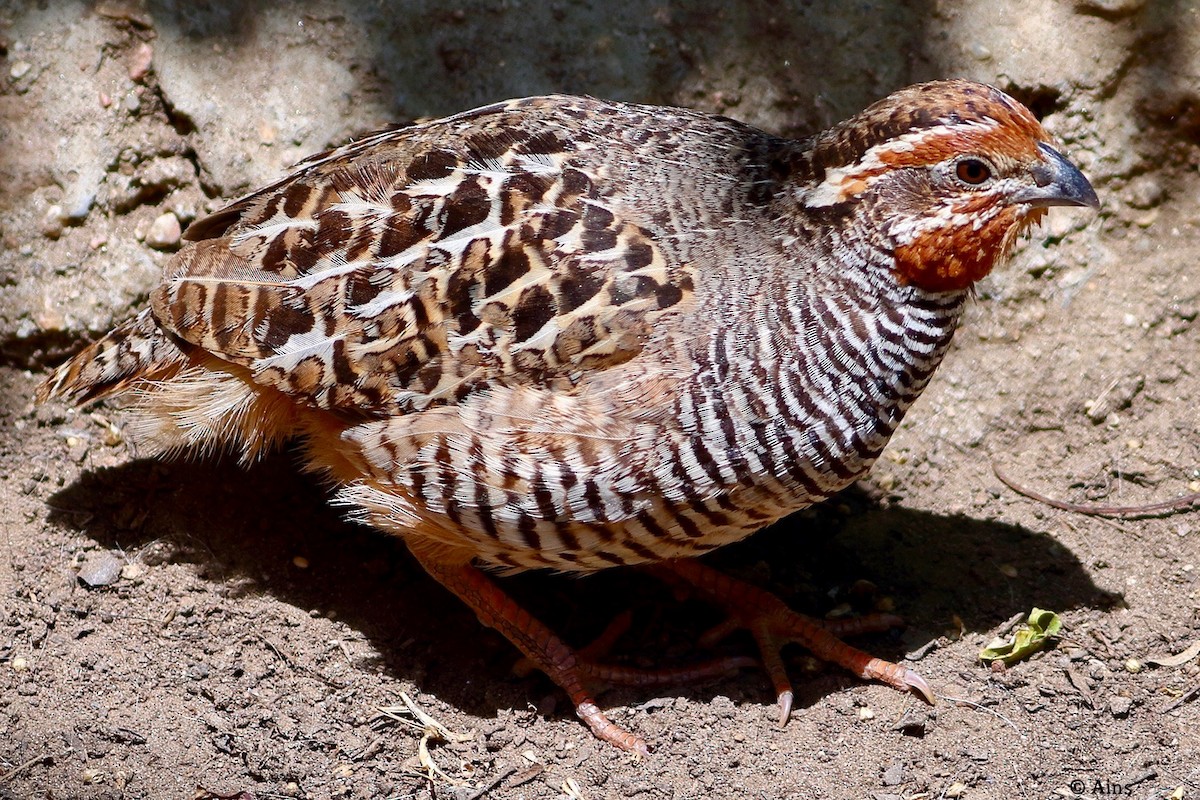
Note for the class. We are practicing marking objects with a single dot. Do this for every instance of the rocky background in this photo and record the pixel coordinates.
(192, 629)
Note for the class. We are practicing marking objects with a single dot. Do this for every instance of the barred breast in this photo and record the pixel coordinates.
(662, 459)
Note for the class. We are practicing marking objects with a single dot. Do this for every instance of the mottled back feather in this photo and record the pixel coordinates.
(408, 271)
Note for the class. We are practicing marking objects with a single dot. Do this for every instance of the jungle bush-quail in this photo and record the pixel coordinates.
(564, 333)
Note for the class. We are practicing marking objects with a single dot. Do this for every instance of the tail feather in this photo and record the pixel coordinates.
(135, 350)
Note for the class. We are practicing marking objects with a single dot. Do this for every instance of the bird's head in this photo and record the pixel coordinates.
(947, 175)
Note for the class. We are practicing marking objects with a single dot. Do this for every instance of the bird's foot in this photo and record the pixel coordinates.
(773, 625)
(562, 664)
(599, 675)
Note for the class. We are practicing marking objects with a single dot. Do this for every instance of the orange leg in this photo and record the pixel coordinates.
(604, 675)
(773, 624)
(551, 654)
(577, 672)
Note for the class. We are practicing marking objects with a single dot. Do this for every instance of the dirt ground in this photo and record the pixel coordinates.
(195, 629)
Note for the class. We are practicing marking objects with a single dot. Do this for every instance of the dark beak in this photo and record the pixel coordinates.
(1059, 183)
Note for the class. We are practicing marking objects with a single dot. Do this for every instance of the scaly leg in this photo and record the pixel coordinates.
(601, 675)
(773, 624)
(552, 655)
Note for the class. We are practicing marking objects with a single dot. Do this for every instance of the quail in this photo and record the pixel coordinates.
(569, 334)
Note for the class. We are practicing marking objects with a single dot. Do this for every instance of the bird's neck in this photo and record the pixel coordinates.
(815, 375)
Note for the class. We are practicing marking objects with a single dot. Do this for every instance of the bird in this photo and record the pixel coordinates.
(561, 333)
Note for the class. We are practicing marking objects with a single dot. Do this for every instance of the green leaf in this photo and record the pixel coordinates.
(1040, 628)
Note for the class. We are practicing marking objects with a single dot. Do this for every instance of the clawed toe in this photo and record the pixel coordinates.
(903, 678)
(773, 625)
(784, 701)
(919, 685)
(606, 730)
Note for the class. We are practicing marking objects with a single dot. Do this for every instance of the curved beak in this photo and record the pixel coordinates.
(1059, 183)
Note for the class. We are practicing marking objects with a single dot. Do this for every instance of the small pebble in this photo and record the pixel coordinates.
(18, 69)
(100, 569)
(865, 714)
(1145, 192)
(863, 588)
(1114, 7)
(132, 571)
(977, 754)
(139, 65)
(112, 436)
(300, 562)
(52, 223)
(20, 664)
(839, 611)
(1147, 219)
(80, 205)
(164, 233)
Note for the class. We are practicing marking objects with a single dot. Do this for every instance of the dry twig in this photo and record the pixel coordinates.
(1185, 502)
(12, 773)
(430, 729)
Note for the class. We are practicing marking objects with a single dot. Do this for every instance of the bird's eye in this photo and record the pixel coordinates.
(972, 171)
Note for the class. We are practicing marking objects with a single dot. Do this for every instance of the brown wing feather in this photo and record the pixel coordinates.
(420, 265)
(137, 350)
(217, 223)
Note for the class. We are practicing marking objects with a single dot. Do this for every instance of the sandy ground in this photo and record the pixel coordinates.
(237, 639)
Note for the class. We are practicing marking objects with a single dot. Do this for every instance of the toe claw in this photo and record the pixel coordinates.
(785, 706)
(899, 677)
(919, 685)
(773, 624)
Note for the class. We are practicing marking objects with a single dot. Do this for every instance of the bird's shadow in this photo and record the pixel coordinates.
(243, 528)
